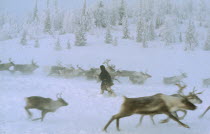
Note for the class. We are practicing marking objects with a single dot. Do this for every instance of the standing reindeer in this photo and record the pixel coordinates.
(139, 78)
(25, 68)
(6, 66)
(44, 104)
(152, 105)
(206, 82)
(174, 79)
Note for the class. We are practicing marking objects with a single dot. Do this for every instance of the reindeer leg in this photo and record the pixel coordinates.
(43, 115)
(185, 113)
(118, 124)
(205, 112)
(175, 119)
(108, 123)
(151, 117)
(29, 113)
(117, 117)
(140, 120)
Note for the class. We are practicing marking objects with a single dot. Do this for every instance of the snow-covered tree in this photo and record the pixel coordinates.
(126, 33)
(47, 24)
(100, 16)
(115, 41)
(23, 40)
(58, 45)
(35, 14)
(121, 12)
(113, 18)
(108, 37)
(190, 37)
(140, 30)
(80, 37)
(207, 43)
(36, 45)
(151, 31)
(167, 33)
(68, 45)
(180, 37)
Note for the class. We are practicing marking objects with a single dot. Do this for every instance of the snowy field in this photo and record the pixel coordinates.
(88, 111)
(161, 37)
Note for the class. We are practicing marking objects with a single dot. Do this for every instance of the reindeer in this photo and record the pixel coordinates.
(206, 82)
(174, 79)
(57, 70)
(205, 112)
(139, 78)
(191, 97)
(152, 105)
(92, 74)
(125, 73)
(181, 87)
(25, 68)
(43, 104)
(7, 66)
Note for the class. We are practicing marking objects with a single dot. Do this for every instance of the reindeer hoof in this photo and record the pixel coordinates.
(104, 130)
(164, 121)
(186, 126)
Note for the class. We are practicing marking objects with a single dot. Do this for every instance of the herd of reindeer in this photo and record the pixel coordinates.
(149, 105)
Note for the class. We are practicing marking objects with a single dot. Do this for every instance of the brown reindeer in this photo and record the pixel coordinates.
(152, 105)
(192, 97)
(44, 104)
(25, 68)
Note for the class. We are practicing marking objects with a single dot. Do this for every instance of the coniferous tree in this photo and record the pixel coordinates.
(23, 40)
(99, 15)
(108, 37)
(35, 14)
(126, 33)
(36, 45)
(121, 12)
(115, 41)
(140, 30)
(58, 45)
(47, 25)
(68, 45)
(80, 37)
(190, 37)
(151, 34)
(180, 37)
(207, 43)
(167, 34)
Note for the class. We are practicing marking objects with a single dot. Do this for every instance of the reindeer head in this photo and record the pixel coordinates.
(34, 64)
(193, 97)
(11, 62)
(61, 100)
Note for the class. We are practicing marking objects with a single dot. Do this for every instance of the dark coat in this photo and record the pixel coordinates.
(105, 76)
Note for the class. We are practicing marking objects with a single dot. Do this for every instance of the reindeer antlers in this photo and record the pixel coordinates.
(58, 95)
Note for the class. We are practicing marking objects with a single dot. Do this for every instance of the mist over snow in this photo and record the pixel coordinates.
(161, 38)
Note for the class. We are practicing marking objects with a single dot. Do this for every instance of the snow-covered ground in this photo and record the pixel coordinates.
(88, 111)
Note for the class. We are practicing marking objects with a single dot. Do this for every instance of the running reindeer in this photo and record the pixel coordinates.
(191, 97)
(152, 105)
(43, 104)
(174, 79)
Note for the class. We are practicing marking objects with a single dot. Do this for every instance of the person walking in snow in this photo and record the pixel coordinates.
(106, 81)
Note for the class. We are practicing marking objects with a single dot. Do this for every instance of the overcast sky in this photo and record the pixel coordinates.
(23, 6)
(19, 7)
